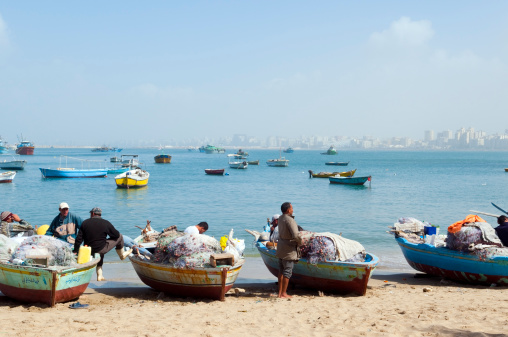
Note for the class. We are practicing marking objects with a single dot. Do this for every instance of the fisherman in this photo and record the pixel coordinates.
(65, 225)
(502, 229)
(287, 247)
(274, 229)
(100, 235)
(200, 228)
(10, 229)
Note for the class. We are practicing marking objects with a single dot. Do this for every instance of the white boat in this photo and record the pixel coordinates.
(280, 162)
(12, 164)
(132, 179)
(129, 160)
(236, 162)
(6, 177)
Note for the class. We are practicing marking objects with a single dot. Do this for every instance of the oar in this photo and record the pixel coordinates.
(489, 214)
(499, 208)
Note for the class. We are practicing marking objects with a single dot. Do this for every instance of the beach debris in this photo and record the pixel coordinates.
(427, 289)
(320, 293)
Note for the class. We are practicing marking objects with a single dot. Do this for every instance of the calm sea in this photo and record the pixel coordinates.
(438, 187)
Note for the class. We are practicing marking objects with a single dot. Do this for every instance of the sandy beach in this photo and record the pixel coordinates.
(396, 304)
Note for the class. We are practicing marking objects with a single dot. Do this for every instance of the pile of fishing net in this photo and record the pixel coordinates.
(320, 247)
(7, 248)
(59, 253)
(470, 234)
(186, 250)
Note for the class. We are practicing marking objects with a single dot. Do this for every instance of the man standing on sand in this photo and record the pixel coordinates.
(287, 247)
(100, 235)
(65, 225)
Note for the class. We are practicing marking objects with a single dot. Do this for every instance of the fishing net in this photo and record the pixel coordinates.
(59, 252)
(7, 247)
(16, 229)
(320, 247)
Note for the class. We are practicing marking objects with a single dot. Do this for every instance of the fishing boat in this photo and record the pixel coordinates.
(162, 159)
(337, 163)
(117, 170)
(280, 162)
(115, 149)
(103, 148)
(3, 146)
(289, 150)
(6, 177)
(210, 149)
(115, 159)
(68, 172)
(331, 151)
(12, 164)
(132, 179)
(331, 174)
(215, 172)
(187, 282)
(236, 162)
(455, 265)
(253, 162)
(25, 148)
(49, 285)
(331, 276)
(129, 160)
(349, 180)
(242, 153)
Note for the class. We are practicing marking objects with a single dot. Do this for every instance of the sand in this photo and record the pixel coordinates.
(396, 304)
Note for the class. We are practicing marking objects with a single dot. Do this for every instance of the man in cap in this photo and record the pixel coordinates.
(100, 235)
(10, 229)
(65, 225)
(274, 229)
(200, 228)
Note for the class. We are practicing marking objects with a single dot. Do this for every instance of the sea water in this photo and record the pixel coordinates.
(436, 187)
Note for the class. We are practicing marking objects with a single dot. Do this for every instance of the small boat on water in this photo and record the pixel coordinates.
(289, 150)
(236, 162)
(253, 162)
(67, 172)
(115, 159)
(331, 174)
(506, 169)
(215, 172)
(210, 149)
(132, 179)
(48, 285)
(331, 151)
(337, 163)
(280, 162)
(7, 177)
(25, 148)
(162, 159)
(103, 148)
(3, 146)
(12, 164)
(331, 276)
(349, 180)
(242, 153)
(129, 160)
(117, 170)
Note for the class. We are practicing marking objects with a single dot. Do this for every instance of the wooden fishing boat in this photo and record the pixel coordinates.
(236, 162)
(331, 174)
(132, 179)
(66, 172)
(337, 163)
(253, 162)
(7, 177)
(187, 282)
(48, 285)
(455, 265)
(25, 148)
(163, 159)
(215, 172)
(349, 180)
(331, 276)
(12, 164)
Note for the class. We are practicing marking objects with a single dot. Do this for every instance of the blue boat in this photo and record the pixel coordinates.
(349, 180)
(289, 150)
(73, 173)
(331, 276)
(455, 265)
(118, 170)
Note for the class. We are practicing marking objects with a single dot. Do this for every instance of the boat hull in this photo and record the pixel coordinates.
(13, 165)
(239, 165)
(25, 150)
(454, 265)
(162, 159)
(334, 163)
(215, 172)
(349, 180)
(7, 177)
(32, 284)
(332, 174)
(278, 162)
(69, 173)
(199, 282)
(131, 179)
(335, 277)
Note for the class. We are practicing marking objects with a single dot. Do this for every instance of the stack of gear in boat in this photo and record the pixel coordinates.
(320, 247)
(27, 251)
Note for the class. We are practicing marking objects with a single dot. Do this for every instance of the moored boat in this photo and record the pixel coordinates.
(12, 164)
(506, 169)
(7, 177)
(349, 180)
(253, 162)
(289, 150)
(117, 170)
(236, 162)
(337, 163)
(129, 160)
(331, 151)
(162, 159)
(25, 148)
(67, 172)
(213, 149)
(48, 285)
(103, 148)
(331, 174)
(115, 159)
(132, 179)
(216, 172)
(3, 146)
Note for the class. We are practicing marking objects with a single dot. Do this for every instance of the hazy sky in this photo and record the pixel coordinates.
(103, 72)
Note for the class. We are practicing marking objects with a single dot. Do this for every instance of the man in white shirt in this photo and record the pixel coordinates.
(200, 228)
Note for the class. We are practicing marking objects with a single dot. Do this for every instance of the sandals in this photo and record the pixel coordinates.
(78, 305)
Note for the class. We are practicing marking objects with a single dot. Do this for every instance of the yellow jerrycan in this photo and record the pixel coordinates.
(84, 254)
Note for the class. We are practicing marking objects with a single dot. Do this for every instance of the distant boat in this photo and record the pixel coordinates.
(12, 164)
(214, 172)
(337, 163)
(69, 172)
(289, 150)
(242, 153)
(6, 177)
(103, 148)
(506, 169)
(25, 148)
(3, 146)
(349, 180)
(236, 161)
(163, 159)
(253, 162)
(331, 174)
(132, 179)
(117, 170)
(210, 149)
(280, 162)
(330, 151)
(129, 160)
(115, 159)
(115, 149)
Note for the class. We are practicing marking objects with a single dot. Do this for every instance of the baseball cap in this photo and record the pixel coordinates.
(275, 217)
(96, 210)
(64, 205)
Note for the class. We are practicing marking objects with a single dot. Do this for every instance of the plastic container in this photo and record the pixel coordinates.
(84, 254)
(430, 230)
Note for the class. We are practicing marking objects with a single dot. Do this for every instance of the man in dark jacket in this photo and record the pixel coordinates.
(502, 229)
(101, 236)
